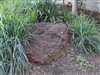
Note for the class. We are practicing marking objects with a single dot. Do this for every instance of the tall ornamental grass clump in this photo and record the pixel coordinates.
(15, 17)
(68, 17)
(48, 11)
(84, 34)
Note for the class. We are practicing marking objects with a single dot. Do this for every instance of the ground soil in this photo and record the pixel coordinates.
(66, 64)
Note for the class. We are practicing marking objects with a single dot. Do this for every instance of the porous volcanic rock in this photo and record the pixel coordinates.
(50, 44)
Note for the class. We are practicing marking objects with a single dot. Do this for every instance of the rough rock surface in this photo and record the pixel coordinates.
(50, 44)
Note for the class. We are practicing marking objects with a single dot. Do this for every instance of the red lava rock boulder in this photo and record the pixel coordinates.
(51, 41)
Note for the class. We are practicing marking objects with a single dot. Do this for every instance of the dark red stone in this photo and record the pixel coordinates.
(52, 40)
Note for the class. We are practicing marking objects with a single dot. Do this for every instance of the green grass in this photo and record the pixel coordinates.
(84, 34)
(82, 64)
(68, 17)
(14, 35)
(48, 12)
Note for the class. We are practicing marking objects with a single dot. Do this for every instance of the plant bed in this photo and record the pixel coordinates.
(66, 65)
(86, 63)
(13, 42)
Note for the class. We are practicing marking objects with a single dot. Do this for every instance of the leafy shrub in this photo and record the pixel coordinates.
(24, 9)
(85, 34)
(14, 36)
(12, 47)
(48, 12)
(68, 17)
(82, 63)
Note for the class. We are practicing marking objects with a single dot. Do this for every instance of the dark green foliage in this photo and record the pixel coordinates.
(14, 36)
(68, 17)
(48, 12)
(85, 34)
(13, 39)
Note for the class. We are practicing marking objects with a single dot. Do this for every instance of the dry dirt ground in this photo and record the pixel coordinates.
(66, 64)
